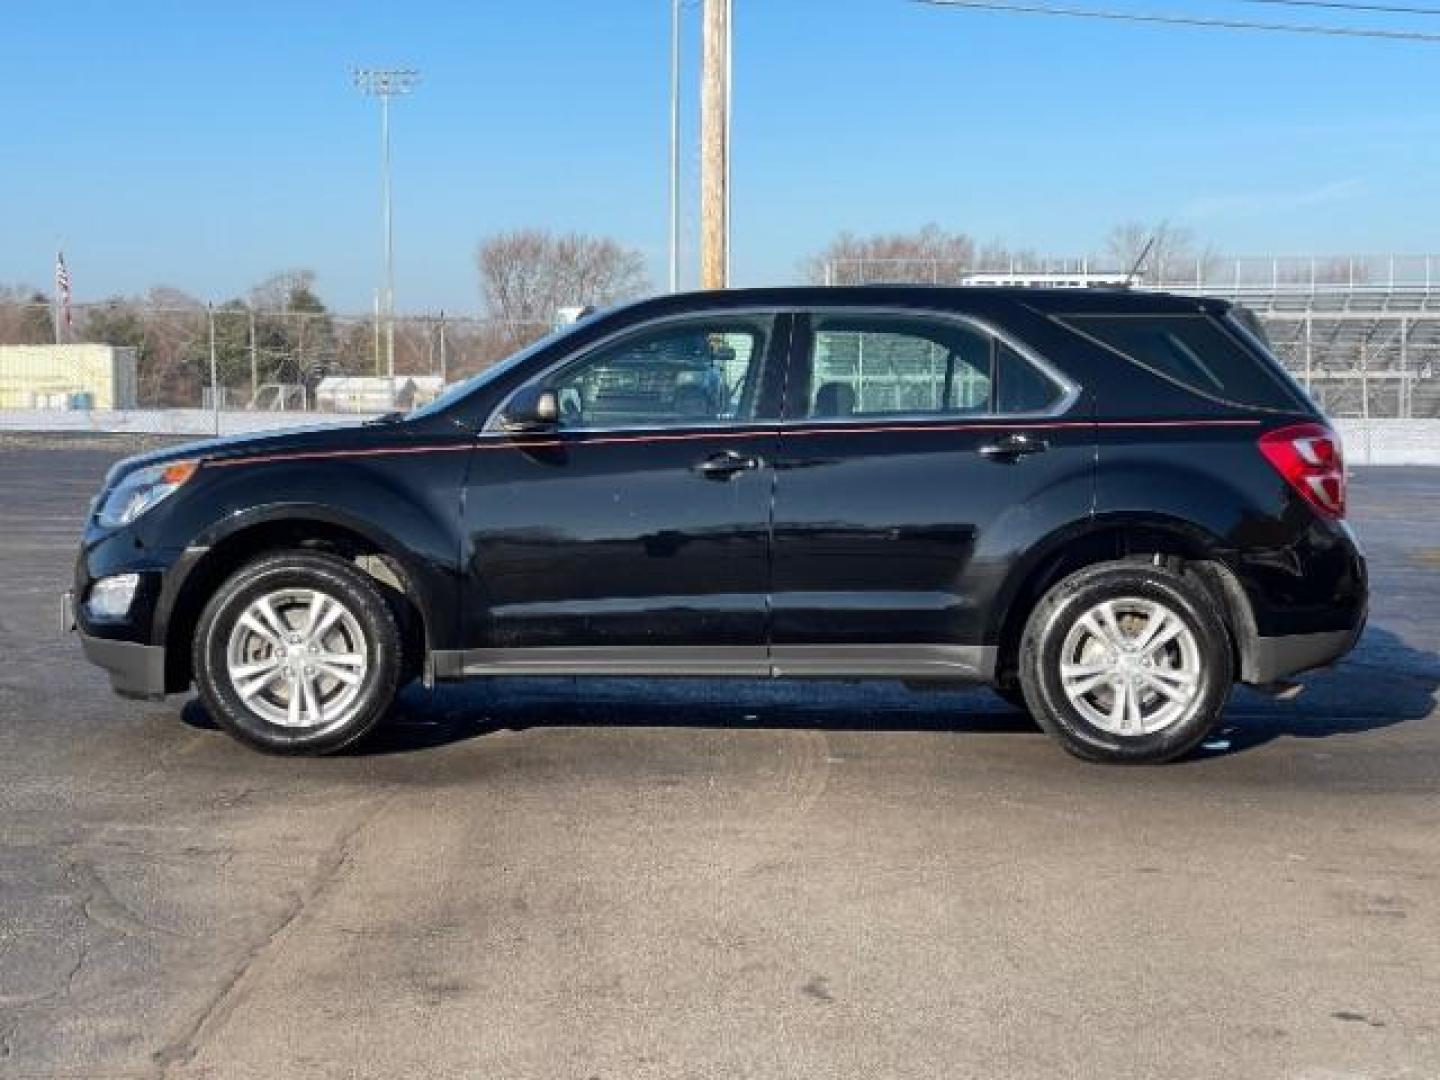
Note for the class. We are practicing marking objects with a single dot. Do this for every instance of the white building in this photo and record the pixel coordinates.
(372, 393)
(67, 377)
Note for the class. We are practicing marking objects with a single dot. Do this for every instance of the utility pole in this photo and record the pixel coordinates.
(444, 374)
(715, 147)
(385, 83)
(214, 367)
(674, 145)
(254, 360)
(729, 122)
(377, 333)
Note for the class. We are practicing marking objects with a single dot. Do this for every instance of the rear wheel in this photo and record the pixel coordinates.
(1126, 662)
(298, 653)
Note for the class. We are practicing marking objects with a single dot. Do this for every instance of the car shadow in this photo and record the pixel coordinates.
(1382, 683)
(425, 719)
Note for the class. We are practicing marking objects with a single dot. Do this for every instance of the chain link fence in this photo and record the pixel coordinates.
(1205, 272)
(235, 358)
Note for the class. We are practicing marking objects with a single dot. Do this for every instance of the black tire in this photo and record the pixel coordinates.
(342, 583)
(1045, 638)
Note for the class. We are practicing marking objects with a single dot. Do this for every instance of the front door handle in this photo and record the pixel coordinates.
(1015, 445)
(724, 465)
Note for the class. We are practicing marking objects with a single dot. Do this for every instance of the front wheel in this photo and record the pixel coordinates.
(298, 653)
(1126, 662)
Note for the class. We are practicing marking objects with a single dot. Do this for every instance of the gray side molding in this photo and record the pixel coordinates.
(922, 663)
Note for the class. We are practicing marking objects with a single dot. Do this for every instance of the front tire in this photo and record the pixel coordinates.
(1126, 662)
(298, 653)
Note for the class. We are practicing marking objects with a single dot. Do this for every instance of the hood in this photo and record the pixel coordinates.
(314, 436)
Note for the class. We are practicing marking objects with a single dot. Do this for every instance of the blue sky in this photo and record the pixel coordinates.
(204, 145)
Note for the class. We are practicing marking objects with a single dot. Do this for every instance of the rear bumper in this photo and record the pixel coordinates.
(1289, 654)
(136, 671)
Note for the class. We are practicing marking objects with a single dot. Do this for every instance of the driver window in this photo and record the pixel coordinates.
(695, 373)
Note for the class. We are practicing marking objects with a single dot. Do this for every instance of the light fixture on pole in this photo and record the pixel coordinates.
(385, 83)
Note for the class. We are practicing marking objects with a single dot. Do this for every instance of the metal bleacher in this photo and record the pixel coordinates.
(1362, 332)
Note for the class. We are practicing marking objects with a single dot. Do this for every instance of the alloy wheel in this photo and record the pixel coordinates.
(1131, 667)
(297, 658)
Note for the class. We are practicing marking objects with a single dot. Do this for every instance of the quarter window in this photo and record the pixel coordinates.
(1194, 351)
(885, 365)
(698, 372)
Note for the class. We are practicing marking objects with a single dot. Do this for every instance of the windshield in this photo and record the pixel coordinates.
(459, 390)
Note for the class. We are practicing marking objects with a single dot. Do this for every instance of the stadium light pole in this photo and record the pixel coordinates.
(385, 83)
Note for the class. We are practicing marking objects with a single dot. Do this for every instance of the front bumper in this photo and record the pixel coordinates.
(130, 647)
(136, 670)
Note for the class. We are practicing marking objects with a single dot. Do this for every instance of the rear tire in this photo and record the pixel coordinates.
(1126, 663)
(298, 653)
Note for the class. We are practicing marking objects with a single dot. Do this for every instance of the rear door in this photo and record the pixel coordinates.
(921, 453)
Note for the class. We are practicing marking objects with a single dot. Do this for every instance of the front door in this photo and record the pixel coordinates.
(915, 452)
(635, 536)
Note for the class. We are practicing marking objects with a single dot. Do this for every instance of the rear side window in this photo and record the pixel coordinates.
(917, 365)
(1192, 350)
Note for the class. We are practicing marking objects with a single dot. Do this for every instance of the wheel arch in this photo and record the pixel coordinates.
(303, 528)
(1178, 543)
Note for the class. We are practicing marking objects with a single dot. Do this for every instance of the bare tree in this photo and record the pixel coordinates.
(929, 254)
(25, 316)
(528, 274)
(286, 290)
(1174, 254)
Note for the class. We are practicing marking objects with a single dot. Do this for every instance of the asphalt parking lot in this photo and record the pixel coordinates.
(559, 878)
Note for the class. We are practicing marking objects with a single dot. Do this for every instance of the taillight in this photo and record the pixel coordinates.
(1308, 456)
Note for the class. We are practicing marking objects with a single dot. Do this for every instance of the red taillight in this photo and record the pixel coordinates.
(1308, 456)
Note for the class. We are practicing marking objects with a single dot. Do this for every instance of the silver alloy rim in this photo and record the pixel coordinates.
(297, 658)
(1131, 667)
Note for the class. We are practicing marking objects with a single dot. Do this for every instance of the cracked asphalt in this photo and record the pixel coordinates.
(620, 878)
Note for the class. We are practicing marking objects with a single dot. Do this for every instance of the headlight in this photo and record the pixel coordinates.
(111, 597)
(142, 489)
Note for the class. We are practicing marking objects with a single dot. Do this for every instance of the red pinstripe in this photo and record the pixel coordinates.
(543, 444)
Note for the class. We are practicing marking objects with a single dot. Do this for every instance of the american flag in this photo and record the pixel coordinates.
(62, 287)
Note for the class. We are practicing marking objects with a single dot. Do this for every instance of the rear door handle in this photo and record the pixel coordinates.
(1013, 446)
(724, 465)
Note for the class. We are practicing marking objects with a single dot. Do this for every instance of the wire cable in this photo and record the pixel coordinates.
(1070, 12)
(1340, 5)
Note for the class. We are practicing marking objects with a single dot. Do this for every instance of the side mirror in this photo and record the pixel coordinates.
(532, 409)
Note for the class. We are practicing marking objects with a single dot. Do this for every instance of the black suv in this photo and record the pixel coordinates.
(1108, 505)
